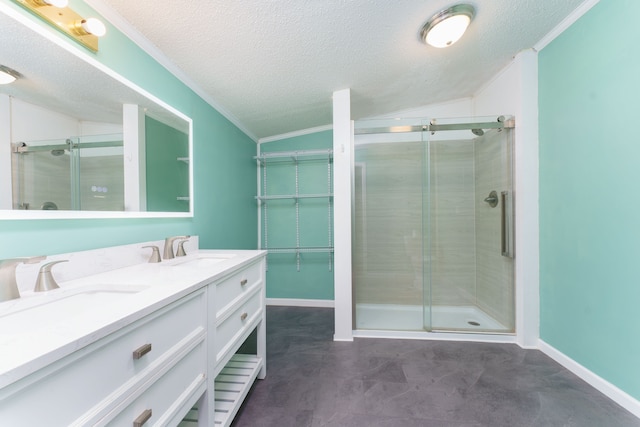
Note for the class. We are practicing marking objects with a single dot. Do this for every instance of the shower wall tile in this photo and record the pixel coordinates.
(495, 292)
(452, 252)
(106, 172)
(387, 251)
(39, 177)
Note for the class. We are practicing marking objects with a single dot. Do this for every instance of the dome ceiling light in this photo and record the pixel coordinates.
(447, 26)
(8, 75)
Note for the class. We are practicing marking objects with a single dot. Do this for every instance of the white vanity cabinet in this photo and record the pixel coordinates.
(236, 309)
(158, 363)
(151, 362)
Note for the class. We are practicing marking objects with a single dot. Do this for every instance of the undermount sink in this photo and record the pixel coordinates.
(201, 260)
(61, 304)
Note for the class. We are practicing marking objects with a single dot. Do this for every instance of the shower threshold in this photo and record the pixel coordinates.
(467, 319)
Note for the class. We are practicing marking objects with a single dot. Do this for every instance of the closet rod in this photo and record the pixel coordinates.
(303, 153)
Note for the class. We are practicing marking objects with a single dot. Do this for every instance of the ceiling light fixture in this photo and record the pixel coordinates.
(8, 75)
(447, 26)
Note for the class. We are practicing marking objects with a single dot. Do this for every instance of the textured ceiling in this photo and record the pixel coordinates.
(273, 64)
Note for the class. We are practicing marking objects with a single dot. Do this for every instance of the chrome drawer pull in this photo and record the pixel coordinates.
(142, 418)
(243, 316)
(139, 352)
(243, 282)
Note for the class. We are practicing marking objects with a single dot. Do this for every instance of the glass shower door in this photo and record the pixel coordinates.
(470, 223)
(41, 175)
(388, 245)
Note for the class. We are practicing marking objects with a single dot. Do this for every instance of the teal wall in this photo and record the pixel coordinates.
(167, 177)
(224, 173)
(314, 280)
(589, 197)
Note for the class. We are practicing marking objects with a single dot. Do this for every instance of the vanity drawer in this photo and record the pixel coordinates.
(150, 338)
(232, 326)
(167, 400)
(81, 387)
(232, 289)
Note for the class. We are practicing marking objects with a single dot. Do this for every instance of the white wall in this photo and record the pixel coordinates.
(30, 122)
(462, 107)
(514, 91)
(5, 152)
(342, 193)
(99, 128)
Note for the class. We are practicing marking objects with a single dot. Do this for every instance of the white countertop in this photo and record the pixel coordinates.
(110, 301)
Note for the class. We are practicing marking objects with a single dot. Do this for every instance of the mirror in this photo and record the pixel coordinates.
(80, 141)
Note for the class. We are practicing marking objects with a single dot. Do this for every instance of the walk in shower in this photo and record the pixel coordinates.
(433, 225)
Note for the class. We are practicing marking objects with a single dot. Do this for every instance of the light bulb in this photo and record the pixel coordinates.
(94, 26)
(57, 3)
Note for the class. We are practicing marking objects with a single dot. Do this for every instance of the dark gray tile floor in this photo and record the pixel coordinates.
(314, 381)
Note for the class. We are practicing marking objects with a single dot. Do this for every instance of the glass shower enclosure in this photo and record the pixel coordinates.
(75, 173)
(433, 225)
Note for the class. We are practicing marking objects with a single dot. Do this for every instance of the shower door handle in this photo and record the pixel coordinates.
(507, 226)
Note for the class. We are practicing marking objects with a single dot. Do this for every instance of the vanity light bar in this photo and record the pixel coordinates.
(67, 21)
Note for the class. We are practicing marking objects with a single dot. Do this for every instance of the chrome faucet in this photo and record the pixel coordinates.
(168, 246)
(180, 251)
(8, 284)
(46, 281)
(155, 254)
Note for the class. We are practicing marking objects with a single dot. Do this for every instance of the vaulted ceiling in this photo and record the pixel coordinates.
(273, 64)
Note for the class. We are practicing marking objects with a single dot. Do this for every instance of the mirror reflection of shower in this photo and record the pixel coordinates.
(69, 174)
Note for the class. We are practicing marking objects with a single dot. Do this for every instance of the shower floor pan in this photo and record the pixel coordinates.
(410, 318)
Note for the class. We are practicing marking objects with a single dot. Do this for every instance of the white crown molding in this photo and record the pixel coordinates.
(605, 387)
(295, 133)
(564, 24)
(152, 50)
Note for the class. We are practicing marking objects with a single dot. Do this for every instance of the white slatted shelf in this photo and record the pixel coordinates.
(233, 384)
(230, 389)
(191, 419)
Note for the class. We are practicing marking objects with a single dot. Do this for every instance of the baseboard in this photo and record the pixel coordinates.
(291, 302)
(605, 387)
